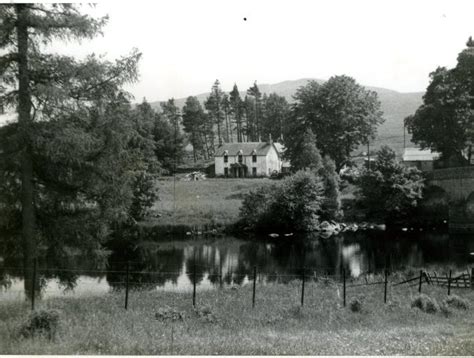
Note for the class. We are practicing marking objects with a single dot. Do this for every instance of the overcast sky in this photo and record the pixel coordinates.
(187, 44)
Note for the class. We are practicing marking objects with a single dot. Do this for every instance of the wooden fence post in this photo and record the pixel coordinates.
(302, 288)
(420, 283)
(194, 284)
(33, 285)
(344, 287)
(254, 285)
(127, 285)
(472, 278)
(385, 287)
(449, 283)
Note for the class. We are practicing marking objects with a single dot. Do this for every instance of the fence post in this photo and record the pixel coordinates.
(472, 277)
(449, 283)
(385, 287)
(194, 284)
(254, 285)
(33, 285)
(302, 288)
(344, 287)
(127, 285)
(420, 283)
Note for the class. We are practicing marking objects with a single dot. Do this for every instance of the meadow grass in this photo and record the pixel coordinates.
(226, 323)
(203, 202)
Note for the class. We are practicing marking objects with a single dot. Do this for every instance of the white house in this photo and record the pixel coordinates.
(248, 159)
(422, 159)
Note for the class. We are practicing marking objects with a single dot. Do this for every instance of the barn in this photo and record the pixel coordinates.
(249, 159)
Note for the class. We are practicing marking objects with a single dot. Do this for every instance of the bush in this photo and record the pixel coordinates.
(456, 302)
(169, 314)
(425, 303)
(293, 204)
(41, 322)
(355, 305)
(205, 314)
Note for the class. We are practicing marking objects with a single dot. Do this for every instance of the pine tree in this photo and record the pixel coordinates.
(72, 136)
(193, 123)
(213, 105)
(257, 97)
(236, 108)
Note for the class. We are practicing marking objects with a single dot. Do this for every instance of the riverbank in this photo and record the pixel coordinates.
(226, 323)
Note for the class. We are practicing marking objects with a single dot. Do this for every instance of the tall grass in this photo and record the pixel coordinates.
(225, 323)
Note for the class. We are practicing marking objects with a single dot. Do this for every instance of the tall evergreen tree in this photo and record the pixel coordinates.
(71, 143)
(236, 107)
(193, 123)
(257, 99)
(214, 106)
(276, 112)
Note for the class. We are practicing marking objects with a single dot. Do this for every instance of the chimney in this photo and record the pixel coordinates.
(270, 140)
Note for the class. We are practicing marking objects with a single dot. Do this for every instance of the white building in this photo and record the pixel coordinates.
(250, 159)
(422, 159)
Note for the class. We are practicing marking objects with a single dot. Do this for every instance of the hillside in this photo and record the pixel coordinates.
(395, 105)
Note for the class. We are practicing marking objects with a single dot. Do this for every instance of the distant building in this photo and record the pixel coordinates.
(250, 159)
(421, 159)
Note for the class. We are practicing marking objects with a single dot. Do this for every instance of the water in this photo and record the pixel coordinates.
(170, 265)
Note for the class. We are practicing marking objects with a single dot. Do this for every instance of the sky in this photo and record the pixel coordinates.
(188, 44)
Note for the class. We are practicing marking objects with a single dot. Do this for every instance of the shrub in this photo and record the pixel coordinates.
(293, 204)
(425, 303)
(41, 322)
(456, 302)
(445, 309)
(169, 314)
(205, 314)
(355, 305)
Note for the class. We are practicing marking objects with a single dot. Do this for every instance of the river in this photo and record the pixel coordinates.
(172, 265)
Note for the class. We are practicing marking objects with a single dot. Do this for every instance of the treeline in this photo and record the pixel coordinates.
(227, 118)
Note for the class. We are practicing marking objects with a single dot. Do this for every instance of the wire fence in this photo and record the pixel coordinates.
(122, 279)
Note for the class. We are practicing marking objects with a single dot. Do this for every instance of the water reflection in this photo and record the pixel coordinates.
(176, 265)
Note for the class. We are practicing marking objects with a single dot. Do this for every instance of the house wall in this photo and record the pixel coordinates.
(265, 164)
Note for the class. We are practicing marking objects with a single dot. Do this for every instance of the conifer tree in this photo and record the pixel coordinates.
(236, 108)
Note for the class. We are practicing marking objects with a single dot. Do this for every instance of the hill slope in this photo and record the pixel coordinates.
(395, 105)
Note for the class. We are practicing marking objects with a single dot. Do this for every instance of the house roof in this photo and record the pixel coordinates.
(416, 154)
(247, 148)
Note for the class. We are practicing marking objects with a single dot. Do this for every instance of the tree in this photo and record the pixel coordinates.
(331, 206)
(257, 99)
(445, 120)
(389, 190)
(276, 112)
(236, 109)
(193, 123)
(214, 107)
(341, 113)
(71, 162)
(305, 154)
(169, 141)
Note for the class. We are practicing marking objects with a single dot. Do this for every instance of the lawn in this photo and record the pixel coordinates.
(202, 202)
(225, 323)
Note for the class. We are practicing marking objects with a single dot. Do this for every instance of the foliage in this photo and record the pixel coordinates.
(425, 303)
(237, 111)
(304, 154)
(444, 122)
(276, 111)
(194, 120)
(293, 204)
(456, 302)
(332, 199)
(41, 322)
(144, 195)
(341, 113)
(389, 190)
(355, 305)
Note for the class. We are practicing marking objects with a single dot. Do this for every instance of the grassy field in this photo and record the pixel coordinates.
(225, 323)
(203, 202)
(208, 202)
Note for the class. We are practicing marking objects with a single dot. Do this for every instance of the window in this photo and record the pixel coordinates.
(254, 172)
(226, 171)
(241, 158)
(254, 158)
(226, 158)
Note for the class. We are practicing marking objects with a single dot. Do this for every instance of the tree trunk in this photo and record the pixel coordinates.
(24, 119)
